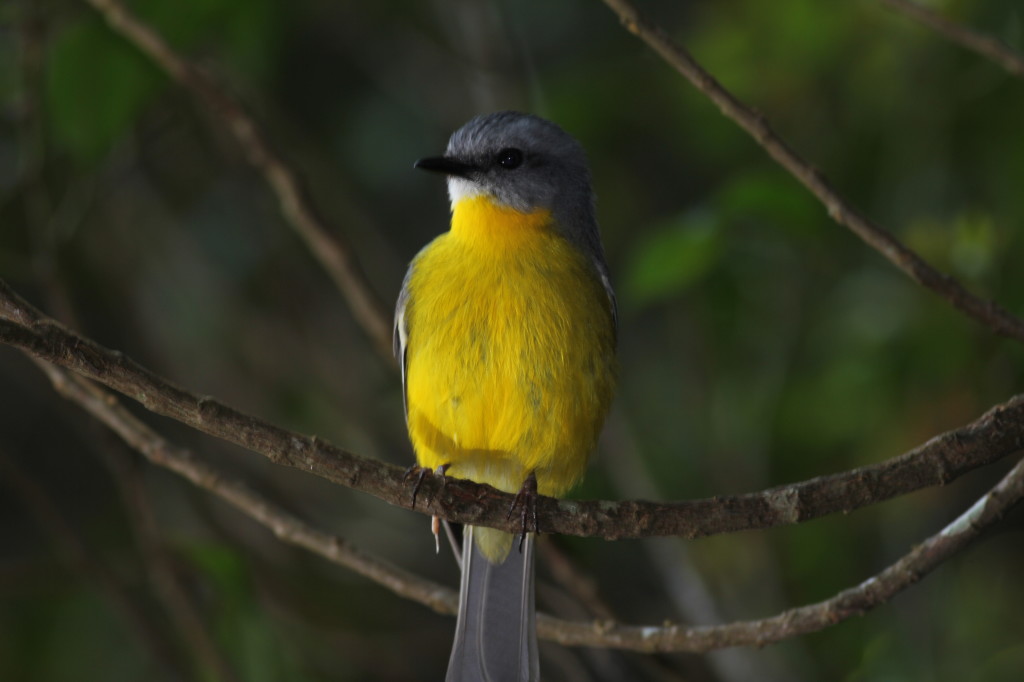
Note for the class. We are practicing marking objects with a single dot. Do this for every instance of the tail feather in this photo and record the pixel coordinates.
(496, 632)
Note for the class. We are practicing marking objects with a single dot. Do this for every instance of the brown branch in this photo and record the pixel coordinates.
(980, 43)
(329, 249)
(945, 457)
(602, 633)
(988, 313)
(996, 434)
(105, 408)
(851, 602)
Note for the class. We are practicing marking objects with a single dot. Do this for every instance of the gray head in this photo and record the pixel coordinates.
(524, 162)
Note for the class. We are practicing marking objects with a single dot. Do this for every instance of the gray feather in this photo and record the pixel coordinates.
(400, 336)
(496, 633)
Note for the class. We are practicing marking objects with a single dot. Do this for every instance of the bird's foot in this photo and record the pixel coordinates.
(419, 473)
(526, 502)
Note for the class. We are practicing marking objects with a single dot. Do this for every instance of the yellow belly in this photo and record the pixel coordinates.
(510, 363)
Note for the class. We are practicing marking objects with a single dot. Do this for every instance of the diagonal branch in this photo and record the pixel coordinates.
(996, 434)
(104, 407)
(984, 45)
(854, 601)
(988, 313)
(801, 620)
(334, 255)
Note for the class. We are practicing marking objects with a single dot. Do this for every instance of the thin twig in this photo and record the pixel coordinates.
(602, 633)
(985, 45)
(996, 434)
(209, 663)
(105, 408)
(988, 313)
(334, 255)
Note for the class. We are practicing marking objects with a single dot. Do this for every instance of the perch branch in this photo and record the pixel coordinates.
(996, 434)
(105, 408)
(854, 601)
(602, 633)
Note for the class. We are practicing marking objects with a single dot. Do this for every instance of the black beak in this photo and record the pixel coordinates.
(446, 165)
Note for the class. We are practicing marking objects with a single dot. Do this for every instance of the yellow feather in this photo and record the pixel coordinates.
(510, 353)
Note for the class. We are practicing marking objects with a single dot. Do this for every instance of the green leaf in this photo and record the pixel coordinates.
(96, 85)
(975, 241)
(672, 258)
(771, 195)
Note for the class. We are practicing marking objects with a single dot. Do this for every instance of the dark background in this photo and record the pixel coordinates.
(760, 343)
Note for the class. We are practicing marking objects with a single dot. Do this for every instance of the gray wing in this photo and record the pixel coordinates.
(602, 271)
(400, 335)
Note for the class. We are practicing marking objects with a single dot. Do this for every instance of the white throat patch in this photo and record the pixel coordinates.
(460, 188)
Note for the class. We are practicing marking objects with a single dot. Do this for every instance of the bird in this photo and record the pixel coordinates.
(505, 332)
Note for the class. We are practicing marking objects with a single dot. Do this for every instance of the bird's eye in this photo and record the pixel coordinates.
(510, 158)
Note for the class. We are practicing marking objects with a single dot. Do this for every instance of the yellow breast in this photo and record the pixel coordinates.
(510, 350)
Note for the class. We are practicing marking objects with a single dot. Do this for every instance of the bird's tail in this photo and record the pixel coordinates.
(496, 633)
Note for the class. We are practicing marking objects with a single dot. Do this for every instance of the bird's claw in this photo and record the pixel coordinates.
(526, 500)
(420, 473)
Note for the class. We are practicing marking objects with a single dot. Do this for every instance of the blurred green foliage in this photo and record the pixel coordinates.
(95, 89)
(760, 343)
(671, 258)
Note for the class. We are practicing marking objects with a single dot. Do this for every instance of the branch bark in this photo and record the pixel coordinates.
(851, 602)
(104, 407)
(996, 434)
(602, 633)
(298, 209)
(988, 313)
(975, 41)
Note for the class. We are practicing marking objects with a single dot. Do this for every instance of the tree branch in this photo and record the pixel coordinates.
(996, 434)
(988, 313)
(603, 633)
(105, 408)
(329, 249)
(851, 602)
(975, 41)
